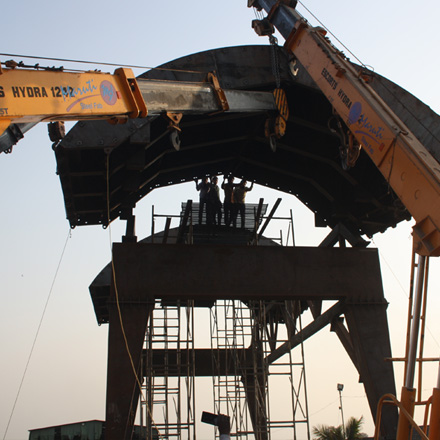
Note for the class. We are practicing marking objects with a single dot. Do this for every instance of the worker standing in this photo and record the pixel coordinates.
(216, 204)
(239, 199)
(203, 187)
(228, 202)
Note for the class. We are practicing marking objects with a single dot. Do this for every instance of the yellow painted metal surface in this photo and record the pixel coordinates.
(407, 399)
(434, 425)
(41, 95)
(409, 168)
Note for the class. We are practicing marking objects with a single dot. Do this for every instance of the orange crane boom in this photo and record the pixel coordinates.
(406, 164)
(410, 170)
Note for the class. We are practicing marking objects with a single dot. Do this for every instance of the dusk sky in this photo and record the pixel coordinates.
(66, 375)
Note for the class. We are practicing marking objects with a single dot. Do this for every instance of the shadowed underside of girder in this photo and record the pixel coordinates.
(306, 162)
(129, 161)
(351, 277)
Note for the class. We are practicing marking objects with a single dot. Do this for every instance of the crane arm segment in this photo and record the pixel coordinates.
(406, 164)
(31, 96)
(42, 95)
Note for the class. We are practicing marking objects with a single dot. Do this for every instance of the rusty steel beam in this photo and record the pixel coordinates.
(204, 362)
(123, 366)
(184, 221)
(340, 231)
(254, 381)
(318, 324)
(269, 217)
(166, 230)
(368, 328)
(146, 271)
(337, 326)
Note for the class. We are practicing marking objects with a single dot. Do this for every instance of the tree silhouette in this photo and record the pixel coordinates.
(352, 431)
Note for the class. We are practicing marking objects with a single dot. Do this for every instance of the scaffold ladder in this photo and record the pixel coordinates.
(168, 403)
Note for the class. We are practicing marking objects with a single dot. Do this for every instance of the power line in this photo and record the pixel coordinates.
(331, 33)
(95, 63)
(36, 335)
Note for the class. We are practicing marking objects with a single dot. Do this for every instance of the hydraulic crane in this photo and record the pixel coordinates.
(31, 94)
(371, 125)
(405, 163)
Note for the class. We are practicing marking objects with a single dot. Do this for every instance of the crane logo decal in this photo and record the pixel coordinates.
(72, 93)
(108, 92)
(367, 130)
(355, 113)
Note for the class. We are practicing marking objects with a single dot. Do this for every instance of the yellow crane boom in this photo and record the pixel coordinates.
(46, 95)
(29, 96)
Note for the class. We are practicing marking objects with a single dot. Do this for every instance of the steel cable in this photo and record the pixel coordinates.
(36, 335)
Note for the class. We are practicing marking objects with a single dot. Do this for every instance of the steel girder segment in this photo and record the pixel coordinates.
(350, 276)
(368, 327)
(254, 272)
(124, 358)
(200, 98)
(254, 383)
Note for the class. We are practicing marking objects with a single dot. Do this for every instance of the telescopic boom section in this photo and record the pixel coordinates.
(30, 96)
(42, 95)
(405, 163)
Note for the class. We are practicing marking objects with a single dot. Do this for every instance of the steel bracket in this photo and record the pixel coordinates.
(173, 126)
(219, 92)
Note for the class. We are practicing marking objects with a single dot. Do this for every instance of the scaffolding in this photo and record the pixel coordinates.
(248, 334)
(256, 223)
(168, 391)
(412, 397)
(245, 383)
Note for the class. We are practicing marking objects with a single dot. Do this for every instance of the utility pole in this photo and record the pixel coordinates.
(340, 388)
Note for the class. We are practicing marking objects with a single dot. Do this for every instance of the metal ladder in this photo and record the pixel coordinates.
(235, 327)
(167, 402)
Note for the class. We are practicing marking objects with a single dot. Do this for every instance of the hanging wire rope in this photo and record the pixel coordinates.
(121, 322)
(331, 33)
(95, 63)
(402, 288)
(325, 407)
(396, 278)
(409, 108)
(37, 333)
(258, 14)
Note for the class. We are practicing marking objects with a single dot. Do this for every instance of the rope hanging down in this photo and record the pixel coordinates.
(36, 334)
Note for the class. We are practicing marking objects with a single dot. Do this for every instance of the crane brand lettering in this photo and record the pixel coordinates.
(329, 78)
(65, 92)
(107, 92)
(2, 92)
(370, 129)
(71, 92)
(344, 98)
(29, 92)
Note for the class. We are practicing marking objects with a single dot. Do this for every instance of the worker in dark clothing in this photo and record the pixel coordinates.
(216, 204)
(204, 188)
(228, 202)
(239, 198)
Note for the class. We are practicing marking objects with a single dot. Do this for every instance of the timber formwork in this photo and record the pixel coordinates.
(145, 272)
